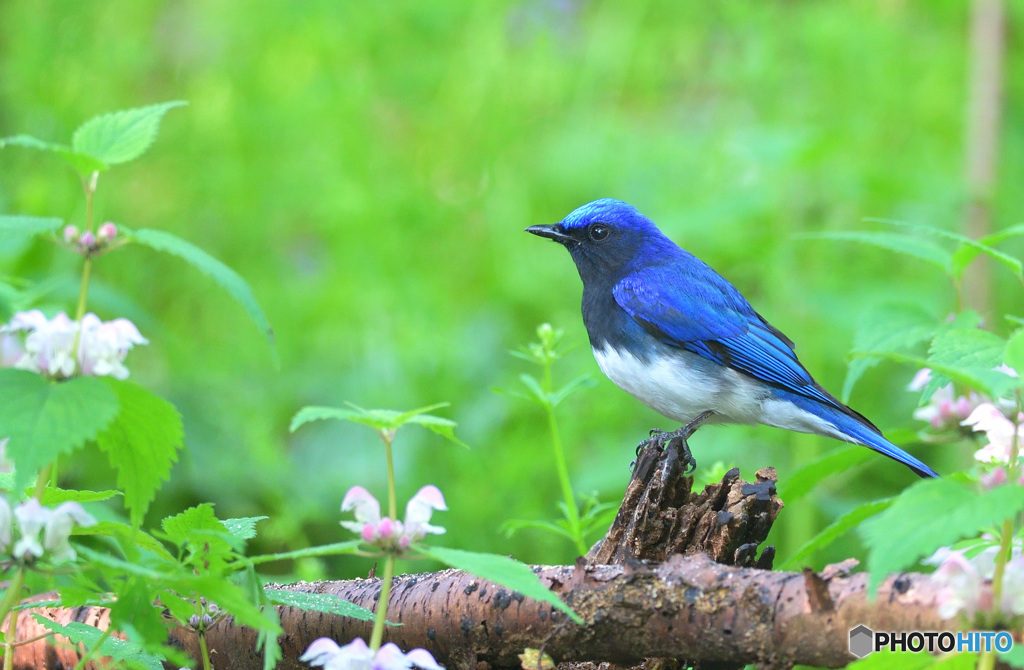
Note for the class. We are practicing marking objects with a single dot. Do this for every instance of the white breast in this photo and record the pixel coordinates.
(681, 385)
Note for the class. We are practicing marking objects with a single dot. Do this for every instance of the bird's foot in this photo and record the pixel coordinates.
(677, 441)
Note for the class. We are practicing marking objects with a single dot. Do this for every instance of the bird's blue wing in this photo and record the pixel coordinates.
(690, 306)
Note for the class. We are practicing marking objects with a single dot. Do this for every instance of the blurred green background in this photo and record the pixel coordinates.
(369, 169)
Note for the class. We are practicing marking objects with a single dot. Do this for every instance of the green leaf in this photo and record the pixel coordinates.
(123, 651)
(136, 613)
(126, 535)
(957, 268)
(796, 486)
(534, 390)
(382, 420)
(835, 530)
(908, 245)
(83, 163)
(908, 660)
(45, 420)
(243, 528)
(335, 549)
(53, 496)
(142, 443)
(892, 327)
(501, 570)
(228, 279)
(122, 136)
(929, 514)
(319, 602)
(582, 382)
(1014, 353)
(17, 231)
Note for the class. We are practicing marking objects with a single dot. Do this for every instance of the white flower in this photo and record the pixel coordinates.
(56, 524)
(357, 656)
(367, 513)
(104, 346)
(1000, 432)
(58, 529)
(31, 518)
(49, 344)
(418, 512)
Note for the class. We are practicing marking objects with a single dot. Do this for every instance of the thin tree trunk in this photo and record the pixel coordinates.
(984, 107)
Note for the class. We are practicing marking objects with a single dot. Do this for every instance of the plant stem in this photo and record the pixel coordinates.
(388, 438)
(204, 651)
(382, 603)
(12, 598)
(571, 510)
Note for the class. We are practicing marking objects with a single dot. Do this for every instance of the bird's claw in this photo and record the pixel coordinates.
(676, 440)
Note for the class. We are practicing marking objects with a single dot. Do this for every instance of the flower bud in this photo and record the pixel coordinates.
(87, 240)
(995, 478)
(368, 533)
(70, 234)
(107, 232)
(386, 528)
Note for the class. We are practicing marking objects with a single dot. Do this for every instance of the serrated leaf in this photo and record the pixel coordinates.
(967, 348)
(17, 231)
(181, 528)
(908, 245)
(929, 514)
(122, 651)
(142, 443)
(54, 496)
(835, 530)
(319, 602)
(45, 420)
(501, 570)
(796, 486)
(244, 528)
(82, 163)
(383, 420)
(227, 278)
(136, 613)
(957, 269)
(122, 136)
(891, 327)
(335, 549)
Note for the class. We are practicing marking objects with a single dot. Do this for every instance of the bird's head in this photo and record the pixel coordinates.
(606, 238)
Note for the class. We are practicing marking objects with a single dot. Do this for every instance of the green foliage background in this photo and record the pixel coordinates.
(369, 169)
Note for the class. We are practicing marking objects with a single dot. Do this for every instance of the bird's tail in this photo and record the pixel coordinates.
(863, 432)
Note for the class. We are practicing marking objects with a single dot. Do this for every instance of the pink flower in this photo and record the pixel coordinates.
(963, 587)
(357, 656)
(386, 533)
(944, 409)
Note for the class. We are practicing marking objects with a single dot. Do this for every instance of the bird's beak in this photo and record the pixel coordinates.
(554, 231)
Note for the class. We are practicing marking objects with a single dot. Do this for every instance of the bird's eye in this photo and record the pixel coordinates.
(598, 232)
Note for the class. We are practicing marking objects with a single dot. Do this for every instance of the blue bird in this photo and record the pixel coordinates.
(674, 334)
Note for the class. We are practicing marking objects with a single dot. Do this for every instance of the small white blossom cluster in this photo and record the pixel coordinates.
(356, 655)
(1000, 432)
(30, 341)
(944, 409)
(32, 519)
(966, 583)
(86, 243)
(386, 533)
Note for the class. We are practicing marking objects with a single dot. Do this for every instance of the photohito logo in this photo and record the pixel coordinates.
(863, 641)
